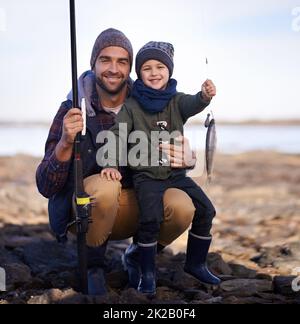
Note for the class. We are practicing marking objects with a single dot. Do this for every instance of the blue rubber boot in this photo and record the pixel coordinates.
(96, 282)
(147, 284)
(96, 274)
(131, 264)
(197, 250)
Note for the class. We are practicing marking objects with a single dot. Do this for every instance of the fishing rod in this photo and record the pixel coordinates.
(83, 201)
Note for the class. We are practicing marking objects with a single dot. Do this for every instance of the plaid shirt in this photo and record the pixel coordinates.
(52, 175)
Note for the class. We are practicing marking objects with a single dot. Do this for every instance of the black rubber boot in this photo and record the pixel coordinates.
(131, 264)
(147, 284)
(96, 274)
(197, 250)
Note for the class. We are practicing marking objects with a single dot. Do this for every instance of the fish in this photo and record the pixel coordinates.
(210, 146)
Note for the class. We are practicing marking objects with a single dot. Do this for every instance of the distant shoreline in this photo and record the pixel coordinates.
(279, 122)
(24, 124)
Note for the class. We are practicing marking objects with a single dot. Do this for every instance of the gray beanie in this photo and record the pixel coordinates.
(161, 51)
(111, 37)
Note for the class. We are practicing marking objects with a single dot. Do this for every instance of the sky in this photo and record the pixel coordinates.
(252, 48)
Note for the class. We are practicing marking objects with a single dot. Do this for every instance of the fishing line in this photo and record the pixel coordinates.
(211, 138)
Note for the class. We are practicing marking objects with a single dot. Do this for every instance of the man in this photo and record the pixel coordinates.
(115, 212)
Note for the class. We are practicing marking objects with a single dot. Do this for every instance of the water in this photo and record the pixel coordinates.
(23, 140)
(231, 139)
(234, 139)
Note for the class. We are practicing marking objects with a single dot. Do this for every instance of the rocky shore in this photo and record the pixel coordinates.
(256, 247)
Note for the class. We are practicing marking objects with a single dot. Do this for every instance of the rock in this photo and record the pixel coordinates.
(264, 276)
(60, 280)
(196, 294)
(226, 277)
(70, 296)
(182, 280)
(19, 241)
(50, 257)
(284, 286)
(273, 297)
(7, 257)
(245, 300)
(131, 296)
(48, 297)
(56, 296)
(231, 300)
(17, 275)
(245, 287)
(165, 293)
(284, 258)
(241, 271)
(117, 279)
(110, 299)
(214, 300)
(3, 302)
(218, 265)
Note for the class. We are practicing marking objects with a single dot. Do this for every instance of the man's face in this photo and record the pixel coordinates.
(112, 69)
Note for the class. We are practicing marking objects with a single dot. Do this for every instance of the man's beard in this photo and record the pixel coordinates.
(109, 91)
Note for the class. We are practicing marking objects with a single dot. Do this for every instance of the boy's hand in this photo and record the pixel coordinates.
(111, 174)
(208, 90)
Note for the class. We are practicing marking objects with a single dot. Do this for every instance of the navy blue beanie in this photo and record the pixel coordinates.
(161, 51)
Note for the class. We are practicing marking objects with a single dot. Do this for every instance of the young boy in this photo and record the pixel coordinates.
(156, 107)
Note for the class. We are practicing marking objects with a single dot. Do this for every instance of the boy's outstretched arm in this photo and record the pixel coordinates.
(190, 105)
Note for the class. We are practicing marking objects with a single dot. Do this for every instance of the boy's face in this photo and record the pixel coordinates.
(155, 74)
(112, 69)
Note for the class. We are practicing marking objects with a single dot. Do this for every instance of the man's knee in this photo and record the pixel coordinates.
(105, 195)
(102, 191)
(179, 214)
(178, 206)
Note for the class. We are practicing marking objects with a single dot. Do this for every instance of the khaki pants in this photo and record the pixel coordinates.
(115, 212)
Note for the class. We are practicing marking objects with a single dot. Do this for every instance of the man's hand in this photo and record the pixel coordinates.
(111, 174)
(180, 156)
(73, 124)
(208, 90)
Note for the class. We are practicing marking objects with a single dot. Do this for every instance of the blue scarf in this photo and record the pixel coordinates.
(151, 100)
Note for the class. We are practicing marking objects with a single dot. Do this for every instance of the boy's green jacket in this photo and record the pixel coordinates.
(140, 149)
